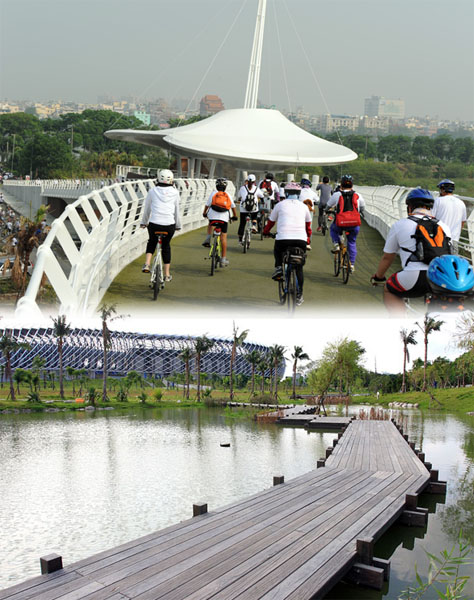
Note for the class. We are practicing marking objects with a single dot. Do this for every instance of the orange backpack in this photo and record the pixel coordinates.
(221, 202)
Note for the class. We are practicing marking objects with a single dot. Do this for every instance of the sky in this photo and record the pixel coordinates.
(327, 55)
(379, 337)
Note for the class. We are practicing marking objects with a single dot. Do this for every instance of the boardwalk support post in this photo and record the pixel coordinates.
(415, 518)
(199, 509)
(328, 452)
(321, 463)
(51, 563)
(278, 479)
(435, 486)
(381, 563)
(365, 550)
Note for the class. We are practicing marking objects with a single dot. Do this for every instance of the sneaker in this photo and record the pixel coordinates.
(224, 262)
(254, 230)
(207, 242)
(299, 300)
(318, 229)
(277, 274)
(146, 268)
(241, 243)
(352, 268)
(335, 248)
(308, 247)
(168, 278)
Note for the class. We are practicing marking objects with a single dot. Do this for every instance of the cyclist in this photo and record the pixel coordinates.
(161, 213)
(349, 205)
(217, 208)
(450, 209)
(248, 197)
(325, 192)
(411, 281)
(270, 189)
(293, 230)
(308, 197)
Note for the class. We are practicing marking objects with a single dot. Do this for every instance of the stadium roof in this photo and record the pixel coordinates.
(246, 138)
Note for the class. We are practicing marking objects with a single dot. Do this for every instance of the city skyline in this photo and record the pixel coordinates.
(208, 52)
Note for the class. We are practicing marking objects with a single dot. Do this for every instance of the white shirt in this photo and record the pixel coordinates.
(334, 199)
(162, 207)
(215, 215)
(308, 193)
(451, 210)
(399, 237)
(275, 188)
(291, 217)
(244, 192)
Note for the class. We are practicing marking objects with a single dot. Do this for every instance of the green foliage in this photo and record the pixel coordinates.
(34, 397)
(445, 570)
(158, 395)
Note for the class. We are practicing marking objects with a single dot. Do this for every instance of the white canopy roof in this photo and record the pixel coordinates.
(247, 138)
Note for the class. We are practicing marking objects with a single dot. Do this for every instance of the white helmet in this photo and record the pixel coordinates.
(165, 176)
(251, 178)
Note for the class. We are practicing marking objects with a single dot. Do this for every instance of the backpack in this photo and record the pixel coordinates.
(267, 185)
(347, 213)
(430, 240)
(221, 202)
(249, 202)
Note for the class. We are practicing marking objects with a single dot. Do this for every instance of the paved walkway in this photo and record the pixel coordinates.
(247, 285)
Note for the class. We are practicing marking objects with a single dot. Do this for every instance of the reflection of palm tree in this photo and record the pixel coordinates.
(238, 340)
(61, 329)
(408, 337)
(429, 325)
(186, 355)
(297, 355)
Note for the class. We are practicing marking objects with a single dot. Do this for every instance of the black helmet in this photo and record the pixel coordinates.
(446, 186)
(221, 184)
(269, 176)
(346, 181)
(419, 197)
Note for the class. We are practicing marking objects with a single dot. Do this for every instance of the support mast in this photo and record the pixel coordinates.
(256, 58)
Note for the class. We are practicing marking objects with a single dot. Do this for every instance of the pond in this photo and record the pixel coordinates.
(79, 483)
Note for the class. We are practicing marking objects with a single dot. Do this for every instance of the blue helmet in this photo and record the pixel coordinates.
(419, 197)
(347, 181)
(305, 181)
(450, 274)
(446, 186)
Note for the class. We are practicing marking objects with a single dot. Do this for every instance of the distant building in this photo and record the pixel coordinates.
(210, 105)
(377, 106)
(144, 117)
(330, 123)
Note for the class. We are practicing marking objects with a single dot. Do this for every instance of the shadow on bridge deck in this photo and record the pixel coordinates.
(246, 285)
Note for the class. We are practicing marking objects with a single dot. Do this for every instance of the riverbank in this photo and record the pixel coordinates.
(452, 400)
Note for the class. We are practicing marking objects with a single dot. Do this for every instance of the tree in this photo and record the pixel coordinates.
(202, 345)
(253, 358)
(297, 355)
(8, 346)
(237, 340)
(186, 355)
(37, 365)
(276, 356)
(61, 329)
(21, 376)
(408, 338)
(429, 325)
(106, 311)
(262, 366)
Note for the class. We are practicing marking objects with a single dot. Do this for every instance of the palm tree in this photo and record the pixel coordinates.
(297, 355)
(106, 311)
(253, 358)
(277, 355)
(7, 347)
(408, 337)
(202, 345)
(429, 325)
(61, 329)
(263, 366)
(186, 355)
(238, 340)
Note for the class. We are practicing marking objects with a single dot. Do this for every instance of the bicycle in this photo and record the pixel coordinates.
(288, 286)
(157, 279)
(263, 213)
(215, 253)
(247, 234)
(341, 259)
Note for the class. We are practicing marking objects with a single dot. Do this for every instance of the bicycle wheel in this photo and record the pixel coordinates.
(213, 256)
(158, 279)
(245, 241)
(281, 288)
(346, 268)
(263, 222)
(337, 263)
(292, 290)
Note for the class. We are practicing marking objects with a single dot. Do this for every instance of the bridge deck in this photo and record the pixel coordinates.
(295, 540)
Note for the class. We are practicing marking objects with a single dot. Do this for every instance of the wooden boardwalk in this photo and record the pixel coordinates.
(293, 541)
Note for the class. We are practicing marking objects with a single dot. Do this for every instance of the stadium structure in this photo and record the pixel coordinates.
(148, 354)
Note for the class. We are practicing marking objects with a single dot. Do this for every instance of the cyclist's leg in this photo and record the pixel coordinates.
(224, 239)
(335, 233)
(278, 251)
(151, 244)
(320, 216)
(254, 216)
(404, 284)
(243, 219)
(166, 248)
(352, 234)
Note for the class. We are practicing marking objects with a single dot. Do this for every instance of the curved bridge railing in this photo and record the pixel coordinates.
(96, 237)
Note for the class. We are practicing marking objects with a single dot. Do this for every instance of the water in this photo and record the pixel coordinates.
(79, 483)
